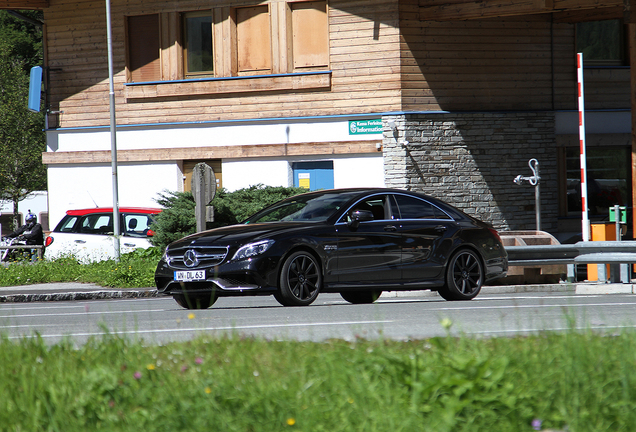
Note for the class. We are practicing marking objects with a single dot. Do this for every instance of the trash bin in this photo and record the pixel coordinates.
(601, 231)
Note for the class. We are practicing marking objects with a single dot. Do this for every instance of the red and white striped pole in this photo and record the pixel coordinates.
(585, 223)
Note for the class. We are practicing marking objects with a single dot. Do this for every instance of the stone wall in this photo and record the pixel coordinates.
(471, 159)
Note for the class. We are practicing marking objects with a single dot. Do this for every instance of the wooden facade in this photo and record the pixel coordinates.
(383, 56)
(380, 58)
(363, 75)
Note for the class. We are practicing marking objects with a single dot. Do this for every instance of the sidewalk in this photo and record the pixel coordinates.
(68, 291)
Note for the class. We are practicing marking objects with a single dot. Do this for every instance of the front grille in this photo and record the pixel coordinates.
(205, 256)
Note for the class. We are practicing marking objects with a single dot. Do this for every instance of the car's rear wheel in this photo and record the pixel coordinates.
(195, 301)
(361, 297)
(464, 276)
(300, 280)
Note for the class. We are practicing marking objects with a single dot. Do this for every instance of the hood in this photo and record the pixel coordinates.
(240, 233)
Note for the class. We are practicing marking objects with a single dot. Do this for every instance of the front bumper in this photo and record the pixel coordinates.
(252, 276)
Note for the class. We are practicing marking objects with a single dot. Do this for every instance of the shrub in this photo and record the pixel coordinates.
(234, 207)
(177, 220)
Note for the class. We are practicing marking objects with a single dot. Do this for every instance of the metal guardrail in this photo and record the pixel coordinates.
(593, 252)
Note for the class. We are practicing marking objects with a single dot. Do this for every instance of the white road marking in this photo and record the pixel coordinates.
(200, 329)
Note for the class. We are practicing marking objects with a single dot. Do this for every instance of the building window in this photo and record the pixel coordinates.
(281, 38)
(601, 42)
(197, 50)
(253, 40)
(143, 48)
(608, 179)
(310, 36)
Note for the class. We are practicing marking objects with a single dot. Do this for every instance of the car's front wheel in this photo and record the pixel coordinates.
(361, 297)
(300, 280)
(195, 301)
(464, 276)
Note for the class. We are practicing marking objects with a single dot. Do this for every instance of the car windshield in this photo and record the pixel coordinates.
(305, 208)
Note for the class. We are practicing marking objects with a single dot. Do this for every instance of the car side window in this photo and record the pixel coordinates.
(68, 224)
(415, 208)
(137, 225)
(376, 204)
(97, 224)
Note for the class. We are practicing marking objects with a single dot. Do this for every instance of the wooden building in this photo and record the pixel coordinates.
(451, 97)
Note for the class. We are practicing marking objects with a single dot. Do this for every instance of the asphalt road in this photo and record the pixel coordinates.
(160, 320)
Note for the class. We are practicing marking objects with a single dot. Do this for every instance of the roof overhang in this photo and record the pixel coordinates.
(24, 4)
(457, 10)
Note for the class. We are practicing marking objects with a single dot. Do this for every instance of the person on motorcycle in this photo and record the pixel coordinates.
(31, 233)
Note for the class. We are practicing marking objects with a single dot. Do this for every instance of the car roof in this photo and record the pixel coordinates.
(143, 210)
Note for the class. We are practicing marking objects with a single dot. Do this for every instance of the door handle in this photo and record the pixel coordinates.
(391, 228)
(130, 244)
(441, 228)
(80, 241)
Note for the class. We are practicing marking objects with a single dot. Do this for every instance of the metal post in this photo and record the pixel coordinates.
(617, 221)
(534, 180)
(113, 134)
(537, 193)
(585, 220)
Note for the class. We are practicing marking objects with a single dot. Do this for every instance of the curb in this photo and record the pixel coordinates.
(71, 296)
(103, 294)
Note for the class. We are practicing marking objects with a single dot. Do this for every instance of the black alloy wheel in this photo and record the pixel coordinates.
(464, 276)
(195, 301)
(300, 280)
(361, 297)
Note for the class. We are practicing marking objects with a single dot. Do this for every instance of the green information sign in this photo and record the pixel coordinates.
(360, 127)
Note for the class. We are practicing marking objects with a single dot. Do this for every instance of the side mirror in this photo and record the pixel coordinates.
(360, 216)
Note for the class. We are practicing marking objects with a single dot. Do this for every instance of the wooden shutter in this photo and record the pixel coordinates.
(253, 39)
(143, 48)
(310, 34)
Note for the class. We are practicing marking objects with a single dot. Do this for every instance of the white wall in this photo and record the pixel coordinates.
(356, 171)
(35, 201)
(363, 171)
(212, 134)
(74, 186)
(243, 174)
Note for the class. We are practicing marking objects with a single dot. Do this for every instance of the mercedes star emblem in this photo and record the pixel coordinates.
(190, 258)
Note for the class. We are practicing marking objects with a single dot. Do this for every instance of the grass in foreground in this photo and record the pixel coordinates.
(134, 270)
(577, 381)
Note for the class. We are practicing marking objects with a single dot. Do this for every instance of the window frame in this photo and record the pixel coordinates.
(184, 50)
(623, 59)
(176, 81)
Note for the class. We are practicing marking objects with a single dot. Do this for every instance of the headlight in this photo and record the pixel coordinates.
(252, 249)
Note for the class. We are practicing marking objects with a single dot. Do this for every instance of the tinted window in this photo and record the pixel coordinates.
(67, 224)
(96, 224)
(414, 208)
(308, 207)
(375, 204)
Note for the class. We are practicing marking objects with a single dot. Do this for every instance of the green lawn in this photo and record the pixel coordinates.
(134, 270)
(575, 381)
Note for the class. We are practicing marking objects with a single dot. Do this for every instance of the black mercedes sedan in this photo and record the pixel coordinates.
(356, 242)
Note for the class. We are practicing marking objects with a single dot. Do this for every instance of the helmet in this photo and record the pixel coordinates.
(30, 217)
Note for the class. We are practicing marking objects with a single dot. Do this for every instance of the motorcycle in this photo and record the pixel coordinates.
(7, 255)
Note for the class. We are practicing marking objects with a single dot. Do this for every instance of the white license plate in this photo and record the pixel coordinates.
(189, 275)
